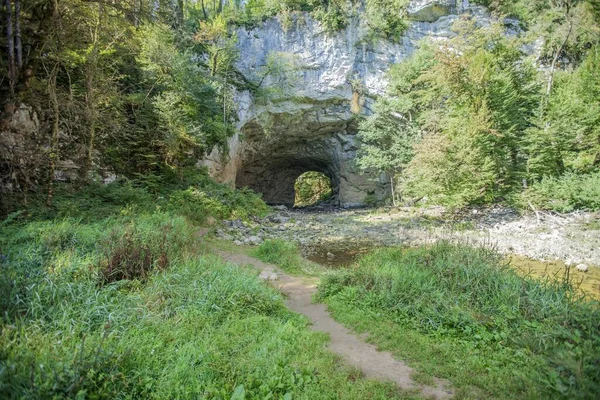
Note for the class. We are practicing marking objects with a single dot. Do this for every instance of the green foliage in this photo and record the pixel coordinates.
(121, 84)
(312, 188)
(567, 193)
(518, 337)
(198, 328)
(190, 192)
(282, 253)
(388, 136)
(387, 18)
(484, 95)
(189, 117)
(216, 201)
(567, 138)
(490, 123)
(277, 77)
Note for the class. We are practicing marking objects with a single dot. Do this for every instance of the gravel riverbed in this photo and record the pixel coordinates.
(573, 238)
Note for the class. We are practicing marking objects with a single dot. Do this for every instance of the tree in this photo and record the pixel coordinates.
(478, 100)
(388, 135)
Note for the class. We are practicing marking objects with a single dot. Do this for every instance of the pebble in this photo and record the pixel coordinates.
(269, 275)
(582, 268)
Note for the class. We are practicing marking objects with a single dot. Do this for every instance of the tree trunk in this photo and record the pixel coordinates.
(393, 191)
(90, 95)
(180, 13)
(204, 10)
(54, 139)
(550, 83)
(18, 40)
(10, 46)
(555, 60)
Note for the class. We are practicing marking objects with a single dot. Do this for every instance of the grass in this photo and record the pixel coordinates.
(175, 322)
(286, 255)
(194, 196)
(459, 313)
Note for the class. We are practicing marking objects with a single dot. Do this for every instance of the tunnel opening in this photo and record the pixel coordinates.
(276, 177)
(312, 188)
(278, 148)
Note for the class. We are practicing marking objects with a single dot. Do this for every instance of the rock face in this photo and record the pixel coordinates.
(311, 124)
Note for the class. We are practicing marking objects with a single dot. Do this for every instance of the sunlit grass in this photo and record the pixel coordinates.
(461, 313)
(194, 328)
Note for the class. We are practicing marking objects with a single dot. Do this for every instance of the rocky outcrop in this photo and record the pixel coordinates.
(19, 147)
(310, 125)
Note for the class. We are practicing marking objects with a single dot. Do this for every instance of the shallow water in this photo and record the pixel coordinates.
(341, 257)
(585, 282)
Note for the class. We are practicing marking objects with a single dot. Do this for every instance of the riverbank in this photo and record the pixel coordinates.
(573, 238)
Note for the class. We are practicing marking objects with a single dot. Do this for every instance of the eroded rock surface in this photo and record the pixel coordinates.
(310, 123)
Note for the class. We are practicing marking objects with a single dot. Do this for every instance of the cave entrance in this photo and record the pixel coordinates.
(312, 188)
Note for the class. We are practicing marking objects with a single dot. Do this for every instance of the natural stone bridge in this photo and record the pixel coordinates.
(311, 124)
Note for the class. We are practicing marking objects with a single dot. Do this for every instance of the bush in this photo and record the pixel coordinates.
(567, 193)
(282, 253)
(217, 201)
(130, 257)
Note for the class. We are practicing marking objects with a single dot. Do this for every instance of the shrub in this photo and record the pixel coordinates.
(128, 257)
(282, 253)
(567, 193)
(217, 201)
(196, 205)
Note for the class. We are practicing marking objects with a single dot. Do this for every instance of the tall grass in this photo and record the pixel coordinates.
(282, 253)
(175, 322)
(543, 334)
(286, 255)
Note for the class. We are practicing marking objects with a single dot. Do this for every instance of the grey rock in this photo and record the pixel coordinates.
(280, 219)
(582, 268)
(253, 240)
(311, 124)
(268, 275)
(236, 224)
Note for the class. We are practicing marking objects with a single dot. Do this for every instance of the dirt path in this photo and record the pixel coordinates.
(365, 356)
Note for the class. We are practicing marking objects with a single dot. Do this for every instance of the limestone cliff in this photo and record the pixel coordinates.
(312, 125)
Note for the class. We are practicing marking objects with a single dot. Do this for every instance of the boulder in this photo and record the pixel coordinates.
(253, 241)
